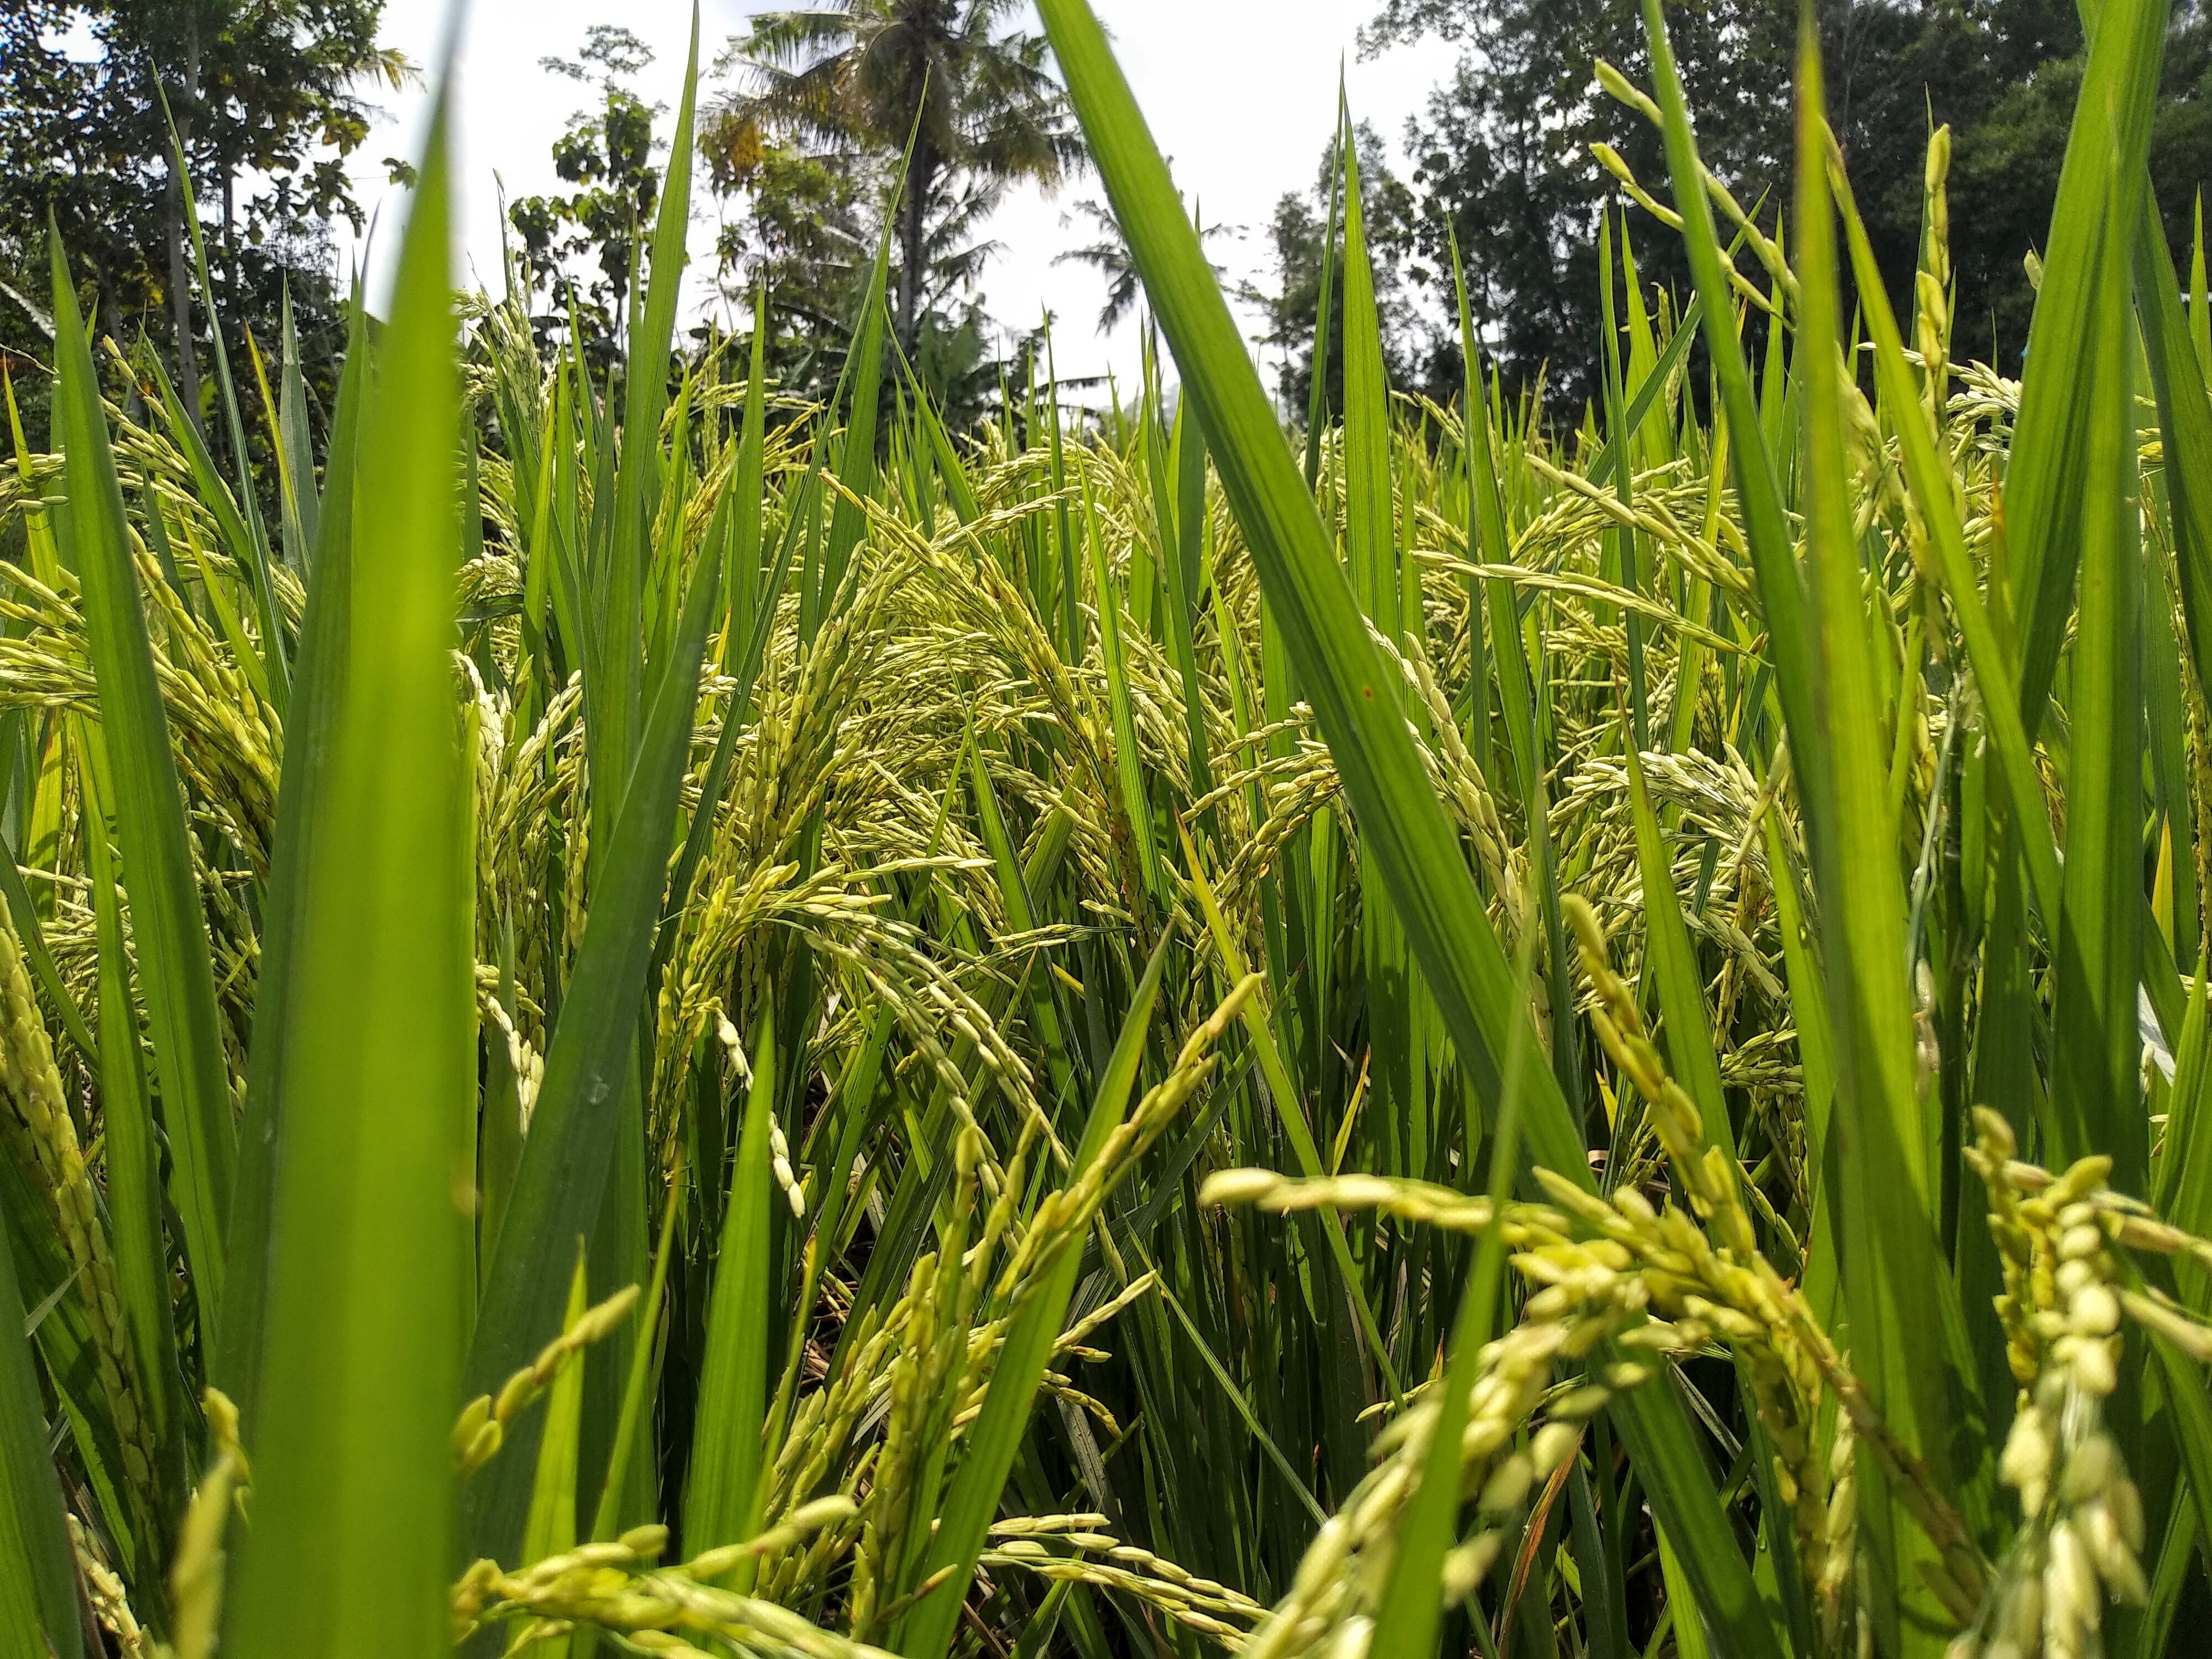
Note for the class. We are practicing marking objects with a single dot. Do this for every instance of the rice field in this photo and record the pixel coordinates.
(640, 1016)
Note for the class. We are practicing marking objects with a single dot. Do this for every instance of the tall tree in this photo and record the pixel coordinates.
(1502, 152)
(1108, 255)
(1295, 235)
(268, 100)
(808, 223)
(806, 231)
(974, 96)
(580, 248)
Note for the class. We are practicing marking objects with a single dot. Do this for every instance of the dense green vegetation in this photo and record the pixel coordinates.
(139, 127)
(658, 1014)
(1500, 162)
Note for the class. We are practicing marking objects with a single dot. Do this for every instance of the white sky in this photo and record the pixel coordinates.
(1240, 94)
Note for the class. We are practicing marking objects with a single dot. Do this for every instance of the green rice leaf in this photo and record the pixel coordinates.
(616, 700)
(2046, 511)
(1933, 491)
(33, 933)
(722, 1495)
(302, 500)
(1673, 965)
(38, 1574)
(2185, 418)
(176, 972)
(134, 1185)
(2097, 1047)
(1898, 1319)
(252, 547)
(1782, 596)
(643, 1361)
(325, 643)
(551, 1528)
(350, 1550)
(1410, 1615)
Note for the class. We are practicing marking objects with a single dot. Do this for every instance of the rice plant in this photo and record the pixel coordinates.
(645, 1016)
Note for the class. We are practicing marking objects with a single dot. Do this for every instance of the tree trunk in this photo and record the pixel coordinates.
(230, 270)
(913, 225)
(181, 282)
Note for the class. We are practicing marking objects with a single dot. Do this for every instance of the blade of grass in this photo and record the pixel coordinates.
(1933, 489)
(1627, 554)
(856, 472)
(1695, 1065)
(1290, 1110)
(1370, 537)
(324, 642)
(1020, 912)
(1809, 1001)
(1317, 391)
(350, 1551)
(722, 1495)
(1416, 854)
(1781, 586)
(1648, 390)
(2185, 418)
(132, 1167)
(1371, 554)
(1235, 1395)
(38, 523)
(551, 1528)
(922, 1184)
(617, 701)
(1187, 462)
(1409, 1611)
(25, 915)
(254, 544)
(1673, 966)
(297, 443)
(1690, 1637)
(288, 505)
(744, 674)
(2096, 1045)
(1897, 1319)
(38, 1571)
(1517, 691)
(1604, 1607)
(747, 489)
(1128, 764)
(2050, 466)
(175, 970)
(606, 1520)
(1311, 597)
(225, 615)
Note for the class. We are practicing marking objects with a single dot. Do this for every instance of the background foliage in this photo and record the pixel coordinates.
(268, 101)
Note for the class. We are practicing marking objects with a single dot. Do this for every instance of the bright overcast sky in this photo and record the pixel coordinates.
(1239, 92)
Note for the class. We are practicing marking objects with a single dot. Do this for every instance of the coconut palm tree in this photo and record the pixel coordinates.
(1109, 257)
(983, 110)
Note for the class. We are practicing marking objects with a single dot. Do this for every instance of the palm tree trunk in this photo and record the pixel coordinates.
(181, 281)
(913, 225)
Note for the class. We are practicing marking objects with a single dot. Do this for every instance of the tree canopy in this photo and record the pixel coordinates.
(1501, 161)
(579, 248)
(975, 98)
(1297, 233)
(268, 100)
